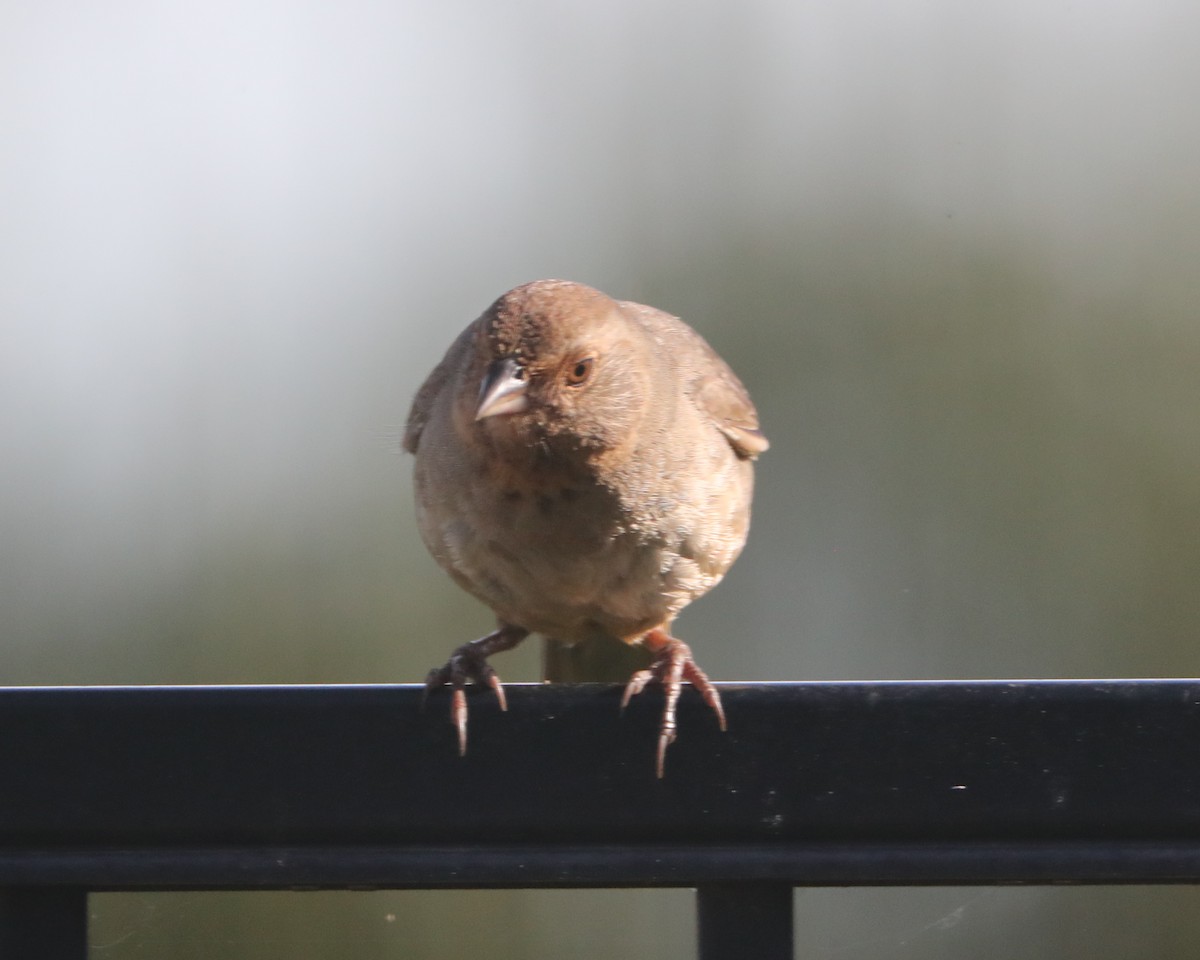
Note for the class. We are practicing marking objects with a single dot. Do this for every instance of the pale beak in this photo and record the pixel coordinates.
(503, 389)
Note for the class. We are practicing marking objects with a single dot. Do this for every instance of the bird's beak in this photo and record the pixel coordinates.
(503, 389)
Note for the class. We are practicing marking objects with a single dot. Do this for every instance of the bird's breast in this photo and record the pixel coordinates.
(562, 554)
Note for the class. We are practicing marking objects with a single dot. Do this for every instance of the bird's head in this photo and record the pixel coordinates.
(559, 364)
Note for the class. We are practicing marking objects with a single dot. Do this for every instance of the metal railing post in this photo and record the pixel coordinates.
(740, 920)
(49, 923)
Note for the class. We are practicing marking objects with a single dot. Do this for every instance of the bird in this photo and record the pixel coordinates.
(584, 467)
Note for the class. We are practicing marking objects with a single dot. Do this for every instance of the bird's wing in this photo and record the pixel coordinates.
(713, 387)
(434, 384)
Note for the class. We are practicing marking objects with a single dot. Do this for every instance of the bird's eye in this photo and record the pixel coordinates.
(519, 373)
(579, 372)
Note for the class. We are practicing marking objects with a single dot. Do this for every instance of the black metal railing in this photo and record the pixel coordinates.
(257, 788)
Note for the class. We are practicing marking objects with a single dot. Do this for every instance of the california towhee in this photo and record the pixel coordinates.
(583, 467)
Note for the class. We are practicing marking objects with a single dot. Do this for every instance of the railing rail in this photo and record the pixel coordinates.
(217, 788)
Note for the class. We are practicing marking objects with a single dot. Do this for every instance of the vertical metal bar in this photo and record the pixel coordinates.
(48, 923)
(740, 920)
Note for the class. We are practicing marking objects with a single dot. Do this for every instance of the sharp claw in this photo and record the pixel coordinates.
(458, 715)
(660, 764)
(673, 665)
(713, 699)
(469, 664)
(495, 684)
(435, 678)
(666, 731)
(666, 734)
(637, 683)
(699, 680)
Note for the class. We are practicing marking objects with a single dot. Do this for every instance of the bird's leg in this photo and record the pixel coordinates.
(673, 663)
(470, 663)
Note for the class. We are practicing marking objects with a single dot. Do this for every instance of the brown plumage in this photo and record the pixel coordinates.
(583, 467)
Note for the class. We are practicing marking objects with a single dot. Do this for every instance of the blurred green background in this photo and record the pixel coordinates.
(951, 249)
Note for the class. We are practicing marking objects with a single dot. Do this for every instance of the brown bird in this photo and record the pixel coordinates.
(583, 467)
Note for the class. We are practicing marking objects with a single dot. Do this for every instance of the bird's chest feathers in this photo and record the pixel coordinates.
(559, 552)
(558, 510)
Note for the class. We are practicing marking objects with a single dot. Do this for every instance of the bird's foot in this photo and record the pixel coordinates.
(469, 664)
(673, 664)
